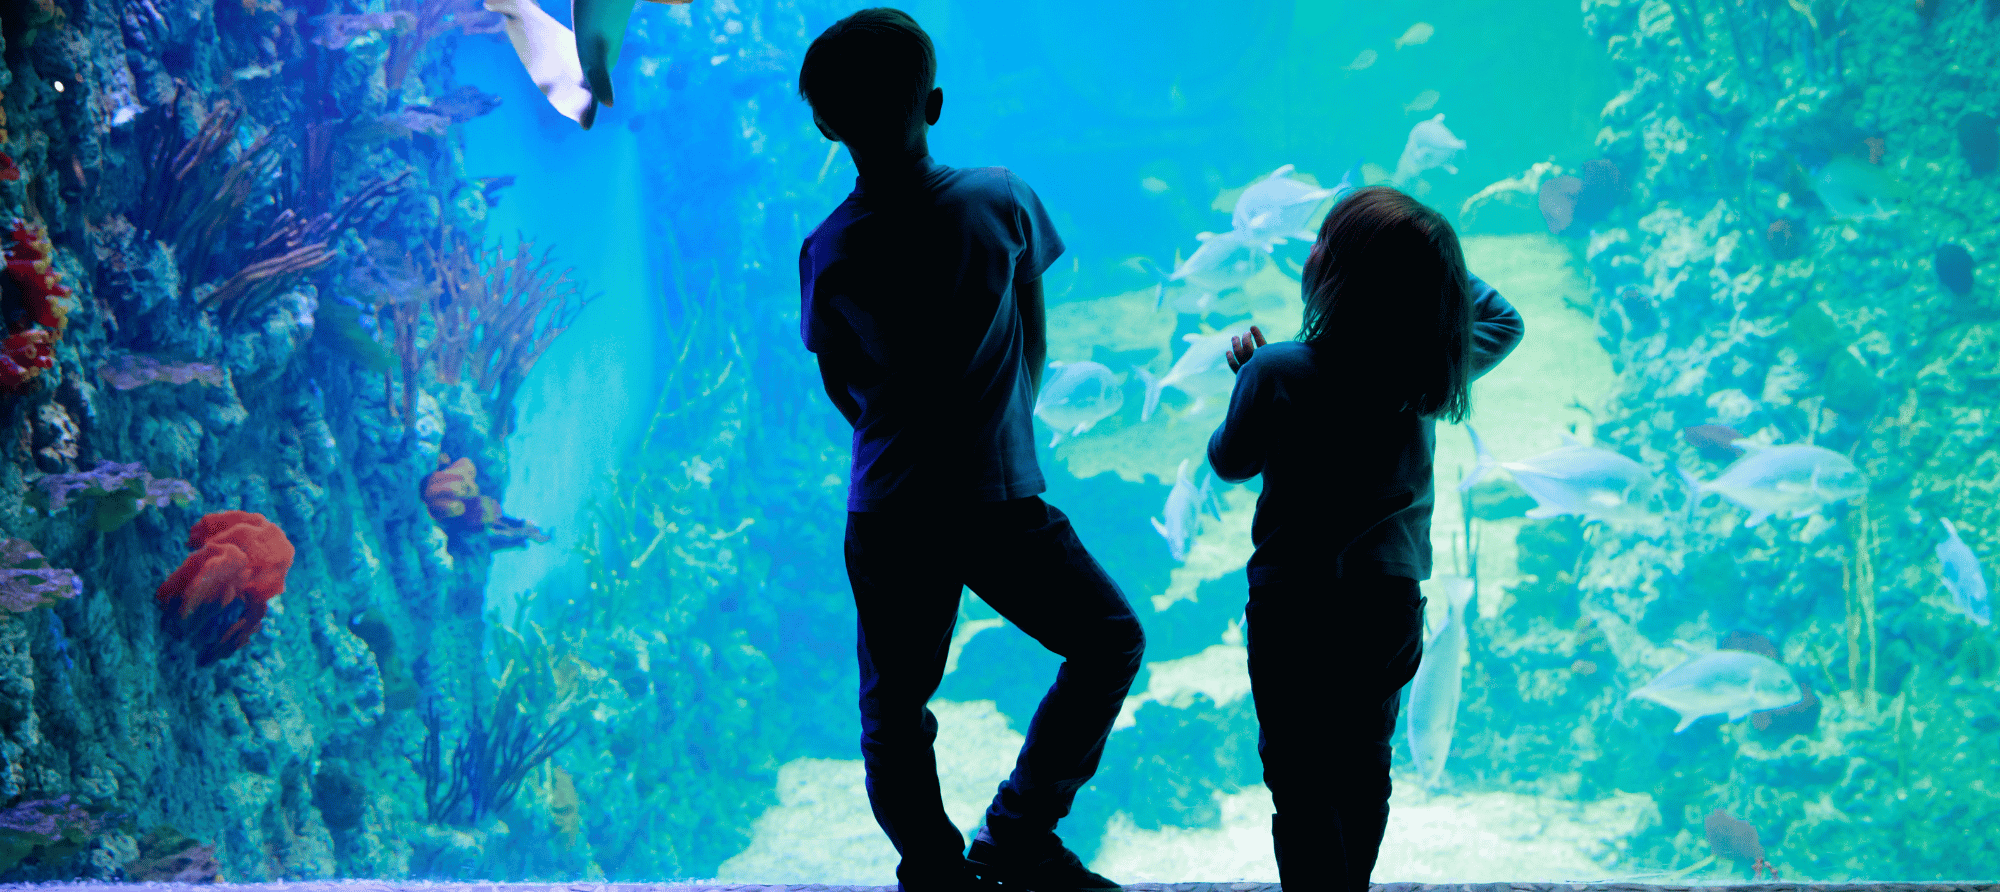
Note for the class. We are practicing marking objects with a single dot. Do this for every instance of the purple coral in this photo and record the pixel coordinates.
(111, 477)
(28, 582)
(50, 819)
(134, 370)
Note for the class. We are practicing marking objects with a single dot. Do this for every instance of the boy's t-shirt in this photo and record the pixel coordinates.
(907, 296)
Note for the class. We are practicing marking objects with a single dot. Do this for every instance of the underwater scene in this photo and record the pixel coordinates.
(412, 468)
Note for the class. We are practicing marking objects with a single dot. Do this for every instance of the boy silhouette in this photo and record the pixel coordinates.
(922, 299)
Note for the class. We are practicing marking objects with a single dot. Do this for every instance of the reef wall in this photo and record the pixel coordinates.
(1791, 172)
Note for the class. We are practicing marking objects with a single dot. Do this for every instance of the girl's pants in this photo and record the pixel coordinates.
(1022, 558)
(1327, 662)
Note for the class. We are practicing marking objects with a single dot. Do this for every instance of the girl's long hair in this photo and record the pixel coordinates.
(1388, 298)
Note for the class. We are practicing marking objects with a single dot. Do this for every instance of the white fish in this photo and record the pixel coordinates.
(1856, 190)
(1205, 282)
(1079, 395)
(1597, 484)
(1183, 511)
(1425, 101)
(1202, 371)
(1434, 693)
(1431, 146)
(600, 34)
(1278, 207)
(548, 51)
(1419, 33)
(1365, 59)
(1964, 577)
(1794, 479)
(1726, 681)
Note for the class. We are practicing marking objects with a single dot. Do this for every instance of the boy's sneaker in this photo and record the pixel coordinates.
(1043, 870)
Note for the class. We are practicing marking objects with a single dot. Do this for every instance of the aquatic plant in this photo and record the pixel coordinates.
(217, 597)
(494, 315)
(542, 689)
(1857, 584)
(122, 490)
(27, 581)
(129, 370)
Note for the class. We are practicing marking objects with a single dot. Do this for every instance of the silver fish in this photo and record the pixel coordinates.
(1964, 577)
(1597, 484)
(1794, 479)
(1201, 372)
(1211, 280)
(1431, 146)
(1183, 511)
(1278, 207)
(1725, 681)
(1077, 396)
(1434, 693)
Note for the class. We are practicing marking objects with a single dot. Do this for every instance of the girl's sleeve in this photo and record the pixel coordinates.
(1237, 449)
(1496, 327)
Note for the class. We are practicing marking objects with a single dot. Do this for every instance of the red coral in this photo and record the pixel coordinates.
(25, 355)
(9, 171)
(28, 261)
(239, 565)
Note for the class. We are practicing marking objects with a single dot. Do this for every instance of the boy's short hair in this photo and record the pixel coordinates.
(869, 72)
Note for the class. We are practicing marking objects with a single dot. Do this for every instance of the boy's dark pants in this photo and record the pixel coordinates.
(1021, 557)
(1327, 662)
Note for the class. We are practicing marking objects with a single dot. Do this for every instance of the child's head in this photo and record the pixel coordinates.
(1386, 290)
(870, 78)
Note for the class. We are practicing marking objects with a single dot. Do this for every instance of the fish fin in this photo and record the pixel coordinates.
(1686, 720)
(1280, 172)
(1153, 387)
(1948, 528)
(1203, 236)
(1484, 465)
(1738, 713)
(1161, 528)
(1544, 512)
(1448, 168)
(1055, 438)
(1078, 432)
(600, 34)
(1569, 439)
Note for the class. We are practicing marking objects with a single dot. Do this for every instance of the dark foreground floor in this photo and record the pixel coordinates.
(389, 886)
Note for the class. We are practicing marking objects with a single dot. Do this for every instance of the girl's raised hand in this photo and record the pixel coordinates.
(1242, 346)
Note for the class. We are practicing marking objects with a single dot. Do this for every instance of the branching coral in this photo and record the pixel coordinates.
(122, 490)
(27, 581)
(218, 595)
(495, 315)
(192, 198)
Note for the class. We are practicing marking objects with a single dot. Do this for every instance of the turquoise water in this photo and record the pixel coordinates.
(1718, 563)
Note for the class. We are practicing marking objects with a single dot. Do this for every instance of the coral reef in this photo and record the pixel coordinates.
(451, 495)
(219, 594)
(130, 370)
(121, 491)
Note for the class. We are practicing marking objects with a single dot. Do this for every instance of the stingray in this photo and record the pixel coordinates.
(600, 34)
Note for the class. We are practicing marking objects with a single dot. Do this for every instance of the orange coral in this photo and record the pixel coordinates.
(450, 493)
(239, 565)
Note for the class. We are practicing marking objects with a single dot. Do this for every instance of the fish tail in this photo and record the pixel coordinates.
(1153, 387)
(1482, 466)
